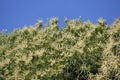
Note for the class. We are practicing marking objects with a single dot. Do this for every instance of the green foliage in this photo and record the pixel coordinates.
(39, 24)
(81, 51)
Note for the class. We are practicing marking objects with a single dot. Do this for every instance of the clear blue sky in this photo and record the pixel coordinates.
(18, 13)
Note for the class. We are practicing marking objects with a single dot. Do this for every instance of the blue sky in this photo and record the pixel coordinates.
(19, 13)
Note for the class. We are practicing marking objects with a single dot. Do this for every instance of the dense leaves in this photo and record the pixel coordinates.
(81, 51)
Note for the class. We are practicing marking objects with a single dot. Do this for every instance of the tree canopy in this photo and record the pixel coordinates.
(80, 51)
